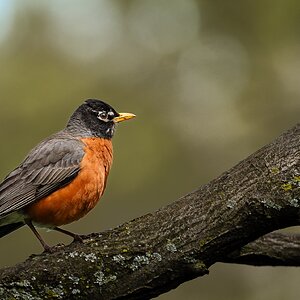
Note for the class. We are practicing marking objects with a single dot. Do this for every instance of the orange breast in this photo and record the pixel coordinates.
(76, 199)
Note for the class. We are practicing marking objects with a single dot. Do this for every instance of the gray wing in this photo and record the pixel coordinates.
(50, 165)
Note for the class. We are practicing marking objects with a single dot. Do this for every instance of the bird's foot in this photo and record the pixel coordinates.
(78, 238)
(52, 249)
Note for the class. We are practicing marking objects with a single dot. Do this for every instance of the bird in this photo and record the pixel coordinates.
(64, 176)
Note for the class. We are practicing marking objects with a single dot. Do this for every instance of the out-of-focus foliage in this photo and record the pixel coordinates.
(210, 82)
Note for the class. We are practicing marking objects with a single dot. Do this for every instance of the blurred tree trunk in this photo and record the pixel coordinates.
(156, 252)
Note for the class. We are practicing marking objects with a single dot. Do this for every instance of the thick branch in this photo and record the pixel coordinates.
(274, 249)
(155, 253)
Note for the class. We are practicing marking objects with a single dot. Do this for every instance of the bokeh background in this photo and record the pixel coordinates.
(210, 82)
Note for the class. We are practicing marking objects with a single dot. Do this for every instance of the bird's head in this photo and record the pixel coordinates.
(96, 118)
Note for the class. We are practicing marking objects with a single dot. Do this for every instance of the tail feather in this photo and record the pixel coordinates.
(8, 228)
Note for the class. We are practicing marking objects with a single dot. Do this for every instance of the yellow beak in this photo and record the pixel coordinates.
(123, 117)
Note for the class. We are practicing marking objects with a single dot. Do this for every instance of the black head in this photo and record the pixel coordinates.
(96, 118)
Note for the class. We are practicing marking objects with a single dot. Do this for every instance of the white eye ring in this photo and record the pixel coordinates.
(102, 115)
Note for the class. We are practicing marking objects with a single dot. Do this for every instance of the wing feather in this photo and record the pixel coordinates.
(49, 166)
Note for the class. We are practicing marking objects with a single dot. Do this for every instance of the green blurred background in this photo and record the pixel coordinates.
(210, 82)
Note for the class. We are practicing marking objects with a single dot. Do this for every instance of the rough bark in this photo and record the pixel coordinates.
(274, 249)
(156, 252)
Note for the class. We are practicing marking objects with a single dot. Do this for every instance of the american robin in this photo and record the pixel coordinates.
(63, 177)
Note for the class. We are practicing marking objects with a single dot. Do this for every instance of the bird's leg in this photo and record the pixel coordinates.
(46, 247)
(75, 236)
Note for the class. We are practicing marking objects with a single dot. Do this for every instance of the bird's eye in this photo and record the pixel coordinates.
(102, 115)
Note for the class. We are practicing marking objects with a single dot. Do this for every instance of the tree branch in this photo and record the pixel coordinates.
(156, 252)
(274, 249)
